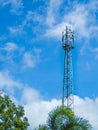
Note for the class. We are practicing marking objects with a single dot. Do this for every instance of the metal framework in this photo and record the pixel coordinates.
(67, 45)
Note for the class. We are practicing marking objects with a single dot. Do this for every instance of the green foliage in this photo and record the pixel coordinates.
(42, 127)
(56, 117)
(62, 118)
(79, 124)
(11, 116)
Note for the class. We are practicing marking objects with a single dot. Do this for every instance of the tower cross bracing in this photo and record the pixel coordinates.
(68, 45)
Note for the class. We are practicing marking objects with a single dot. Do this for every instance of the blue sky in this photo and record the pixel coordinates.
(31, 57)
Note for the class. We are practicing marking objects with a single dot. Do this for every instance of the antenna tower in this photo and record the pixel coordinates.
(67, 45)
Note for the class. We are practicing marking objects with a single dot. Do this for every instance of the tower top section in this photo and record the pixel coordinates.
(67, 39)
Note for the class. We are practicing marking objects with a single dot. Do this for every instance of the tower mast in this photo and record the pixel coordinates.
(67, 45)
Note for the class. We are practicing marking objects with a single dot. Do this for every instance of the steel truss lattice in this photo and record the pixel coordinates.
(68, 45)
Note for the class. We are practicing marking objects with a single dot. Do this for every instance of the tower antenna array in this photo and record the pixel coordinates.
(67, 45)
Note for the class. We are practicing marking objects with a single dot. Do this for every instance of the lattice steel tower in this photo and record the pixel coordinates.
(68, 45)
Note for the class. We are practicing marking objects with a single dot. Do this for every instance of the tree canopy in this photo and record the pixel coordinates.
(62, 118)
(11, 116)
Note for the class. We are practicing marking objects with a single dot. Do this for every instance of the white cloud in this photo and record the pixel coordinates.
(29, 95)
(27, 22)
(78, 18)
(16, 5)
(8, 50)
(10, 46)
(7, 83)
(32, 16)
(52, 12)
(37, 111)
(56, 31)
(88, 109)
(16, 30)
(31, 59)
(82, 19)
(89, 50)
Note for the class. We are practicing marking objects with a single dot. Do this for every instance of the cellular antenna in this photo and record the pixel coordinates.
(68, 45)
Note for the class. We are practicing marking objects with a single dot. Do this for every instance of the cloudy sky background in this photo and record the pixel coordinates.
(31, 57)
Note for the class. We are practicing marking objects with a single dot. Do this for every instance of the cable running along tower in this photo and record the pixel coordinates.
(67, 45)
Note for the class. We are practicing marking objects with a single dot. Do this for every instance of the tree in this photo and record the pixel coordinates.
(42, 127)
(62, 118)
(11, 116)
